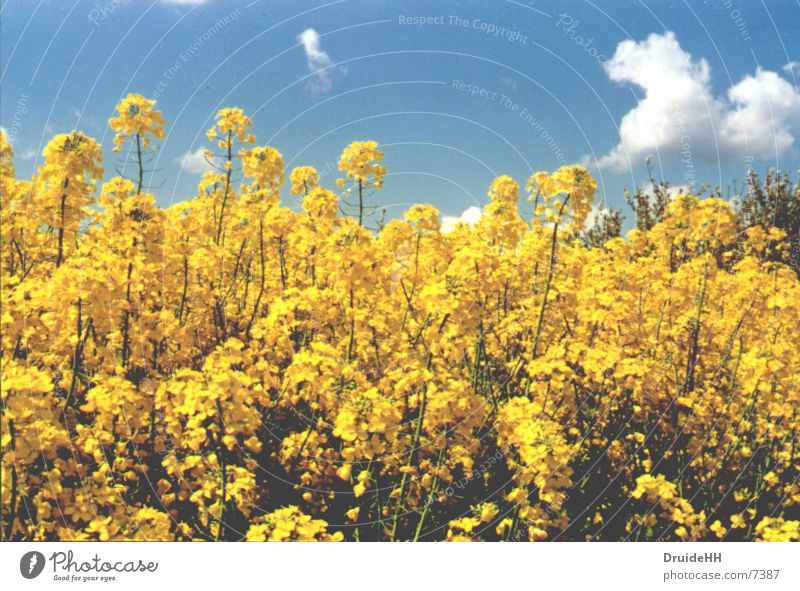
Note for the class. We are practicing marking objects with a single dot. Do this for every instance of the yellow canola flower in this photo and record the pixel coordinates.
(137, 117)
(230, 365)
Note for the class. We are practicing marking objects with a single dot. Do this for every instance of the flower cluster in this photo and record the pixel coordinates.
(229, 368)
(360, 162)
(137, 118)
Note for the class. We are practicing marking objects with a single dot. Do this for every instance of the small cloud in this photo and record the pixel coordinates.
(595, 214)
(4, 131)
(683, 189)
(791, 67)
(509, 82)
(28, 154)
(673, 190)
(319, 62)
(471, 216)
(195, 162)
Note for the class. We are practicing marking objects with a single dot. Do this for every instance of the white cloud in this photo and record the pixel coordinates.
(510, 82)
(471, 216)
(673, 190)
(679, 118)
(595, 215)
(4, 131)
(28, 154)
(791, 67)
(319, 62)
(599, 211)
(765, 114)
(194, 162)
(687, 189)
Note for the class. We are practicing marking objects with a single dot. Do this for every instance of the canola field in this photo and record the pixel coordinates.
(233, 368)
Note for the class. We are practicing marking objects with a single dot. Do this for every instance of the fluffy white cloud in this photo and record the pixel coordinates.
(319, 62)
(471, 216)
(765, 114)
(680, 118)
(194, 162)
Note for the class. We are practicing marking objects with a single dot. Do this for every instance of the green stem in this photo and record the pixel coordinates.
(411, 458)
(227, 186)
(139, 162)
(360, 203)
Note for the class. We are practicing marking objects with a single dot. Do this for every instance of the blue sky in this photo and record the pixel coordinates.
(455, 92)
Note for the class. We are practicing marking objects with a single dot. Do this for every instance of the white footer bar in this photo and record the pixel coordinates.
(352, 567)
